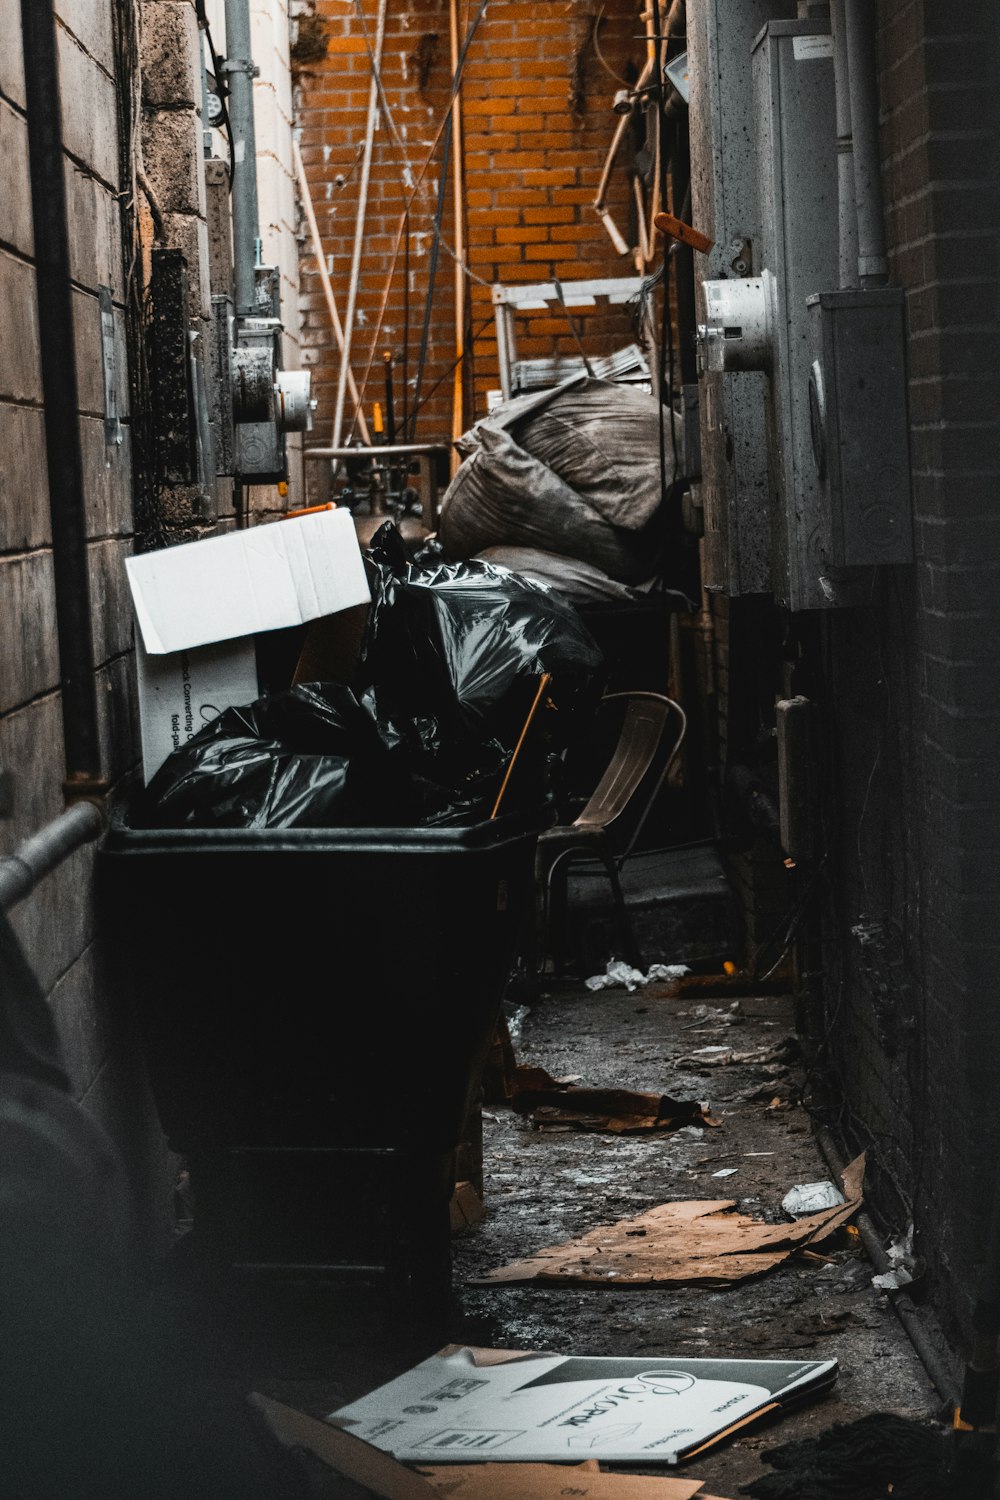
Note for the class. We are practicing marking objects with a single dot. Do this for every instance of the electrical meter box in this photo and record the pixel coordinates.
(795, 121)
(859, 424)
(734, 484)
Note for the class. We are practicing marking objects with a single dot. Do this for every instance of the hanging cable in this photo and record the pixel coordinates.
(204, 26)
(413, 191)
(425, 332)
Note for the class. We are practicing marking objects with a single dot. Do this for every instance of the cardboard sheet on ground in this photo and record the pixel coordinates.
(549, 1408)
(385, 1476)
(550, 1101)
(681, 1242)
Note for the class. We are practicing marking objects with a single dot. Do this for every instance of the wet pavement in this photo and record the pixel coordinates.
(543, 1186)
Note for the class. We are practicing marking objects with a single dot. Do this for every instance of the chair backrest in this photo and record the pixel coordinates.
(638, 767)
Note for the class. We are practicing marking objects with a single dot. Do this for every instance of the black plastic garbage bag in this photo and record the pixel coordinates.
(311, 757)
(451, 662)
(457, 649)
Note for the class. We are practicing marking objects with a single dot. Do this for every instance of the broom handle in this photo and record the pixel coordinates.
(542, 686)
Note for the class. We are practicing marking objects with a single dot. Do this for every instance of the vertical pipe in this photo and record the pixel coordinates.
(847, 208)
(240, 72)
(457, 163)
(359, 227)
(324, 279)
(59, 389)
(859, 16)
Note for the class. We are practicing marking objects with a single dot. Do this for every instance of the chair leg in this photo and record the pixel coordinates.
(555, 906)
(629, 948)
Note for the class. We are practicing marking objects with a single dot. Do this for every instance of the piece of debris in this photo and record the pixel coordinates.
(466, 1208)
(726, 1172)
(701, 1240)
(557, 1101)
(554, 1481)
(469, 1404)
(904, 1265)
(779, 1054)
(810, 1197)
(619, 973)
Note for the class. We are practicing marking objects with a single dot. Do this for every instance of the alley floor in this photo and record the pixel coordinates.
(543, 1186)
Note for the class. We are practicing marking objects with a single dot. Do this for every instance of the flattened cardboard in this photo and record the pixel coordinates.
(368, 1466)
(680, 1242)
(554, 1482)
(550, 1101)
(245, 582)
(181, 693)
(377, 1472)
(549, 1409)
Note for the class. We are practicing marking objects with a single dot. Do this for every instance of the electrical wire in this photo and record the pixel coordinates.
(413, 191)
(425, 330)
(477, 334)
(205, 27)
(600, 55)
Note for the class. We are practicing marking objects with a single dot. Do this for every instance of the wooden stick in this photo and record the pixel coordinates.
(359, 226)
(457, 403)
(331, 301)
(546, 678)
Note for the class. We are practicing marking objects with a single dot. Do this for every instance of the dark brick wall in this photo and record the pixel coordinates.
(911, 684)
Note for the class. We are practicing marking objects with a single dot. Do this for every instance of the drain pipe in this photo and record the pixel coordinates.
(57, 351)
(859, 18)
(240, 73)
(914, 1320)
(847, 209)
(38, 856)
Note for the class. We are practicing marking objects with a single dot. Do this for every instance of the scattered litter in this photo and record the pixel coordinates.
(774, 1055)
(465, 1404)
(726, 1172)
(558, 1101)
(619, 973)
(466, 1208)
(701, 1240)
(515, 1023)
(689, 1133)
(810, 1197)
(709, 1015)
(904, 1266)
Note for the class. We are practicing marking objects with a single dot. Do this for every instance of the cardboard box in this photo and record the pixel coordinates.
(199, 605)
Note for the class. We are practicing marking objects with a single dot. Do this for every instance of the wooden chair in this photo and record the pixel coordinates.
(609, 826)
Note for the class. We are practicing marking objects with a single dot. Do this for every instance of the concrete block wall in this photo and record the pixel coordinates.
(537, 125)
(68, 938)
(59, 925)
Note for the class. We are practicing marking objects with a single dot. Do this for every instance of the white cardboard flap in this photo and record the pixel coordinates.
(264, 578)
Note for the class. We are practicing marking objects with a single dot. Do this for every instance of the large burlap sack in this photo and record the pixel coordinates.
(574, 471)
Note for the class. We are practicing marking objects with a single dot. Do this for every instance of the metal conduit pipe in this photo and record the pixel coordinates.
(57, 352)
(914, 1321)
(240, 72)
(859, 18)
(847, 208)
(38, 856)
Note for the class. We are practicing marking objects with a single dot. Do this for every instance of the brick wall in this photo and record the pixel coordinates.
(912, 937)
(537, 126)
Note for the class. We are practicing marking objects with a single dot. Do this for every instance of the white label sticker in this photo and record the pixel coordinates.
(806, 48)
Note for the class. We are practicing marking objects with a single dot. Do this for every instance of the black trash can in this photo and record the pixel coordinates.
(316, 1006)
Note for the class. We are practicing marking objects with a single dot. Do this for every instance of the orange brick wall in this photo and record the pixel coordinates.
(537, 125)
